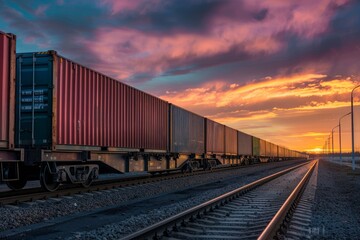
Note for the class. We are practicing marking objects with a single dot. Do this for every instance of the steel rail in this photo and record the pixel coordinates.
(33, 194)
(276, 223)
(162, 228)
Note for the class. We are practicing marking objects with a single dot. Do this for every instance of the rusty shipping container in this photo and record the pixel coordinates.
(245, 144)
(215, 137)
(231, 144)
(7, 89)
(65, 105)
(187, 131)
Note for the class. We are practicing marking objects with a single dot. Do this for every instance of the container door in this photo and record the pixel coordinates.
(34, 100)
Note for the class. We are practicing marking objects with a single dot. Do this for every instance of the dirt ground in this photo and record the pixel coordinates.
(336, 209)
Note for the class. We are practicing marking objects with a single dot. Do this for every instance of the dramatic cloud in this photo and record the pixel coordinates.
(305, 88)
(273, 68)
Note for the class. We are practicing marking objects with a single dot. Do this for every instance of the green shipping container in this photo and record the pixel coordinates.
(256, 146)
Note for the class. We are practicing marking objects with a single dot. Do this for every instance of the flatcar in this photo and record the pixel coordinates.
(65, 123)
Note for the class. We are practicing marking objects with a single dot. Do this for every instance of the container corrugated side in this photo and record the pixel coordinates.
(95, 110)
(7, 89)
(256, 146)
(187, 131)
(231, 143)
(262, 147)
(244, 144)
(215, 137)
(281, 151)
(287, 152)
(268, 149)
(273, 150)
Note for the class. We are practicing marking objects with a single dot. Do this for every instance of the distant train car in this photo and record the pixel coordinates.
(281, 153)
(187, 136)
(256, 148)
(245, 148)
(215, 140)
(263, 153)
(231, 145)
(273, 152)
(69, 116)
(10, 158)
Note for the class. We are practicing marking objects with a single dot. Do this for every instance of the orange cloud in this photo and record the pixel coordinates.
(245, 116)
(310, 134)
(220, 94)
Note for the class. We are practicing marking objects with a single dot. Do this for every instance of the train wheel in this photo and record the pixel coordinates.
(22, 179)
(87, 183)
(46, 179)
(247, 162)
(17, 184)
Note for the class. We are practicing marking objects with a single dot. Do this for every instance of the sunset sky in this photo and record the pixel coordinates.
(280, 70)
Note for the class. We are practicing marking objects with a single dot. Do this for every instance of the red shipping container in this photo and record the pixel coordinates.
(7, 89)
(96, 110)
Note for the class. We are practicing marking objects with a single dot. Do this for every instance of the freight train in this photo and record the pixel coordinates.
(62, 122)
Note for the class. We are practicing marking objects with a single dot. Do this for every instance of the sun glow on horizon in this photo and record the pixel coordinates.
(315, 150)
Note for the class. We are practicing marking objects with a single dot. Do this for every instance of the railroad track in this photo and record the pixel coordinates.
(33, 194)
(259, 210)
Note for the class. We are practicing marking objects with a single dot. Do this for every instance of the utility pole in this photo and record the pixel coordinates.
(352, 129)
(340, 151)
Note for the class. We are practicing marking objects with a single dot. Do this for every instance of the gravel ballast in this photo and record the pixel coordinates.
(336, 209)
(333, 198)
(121, 229)
(49, 210)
